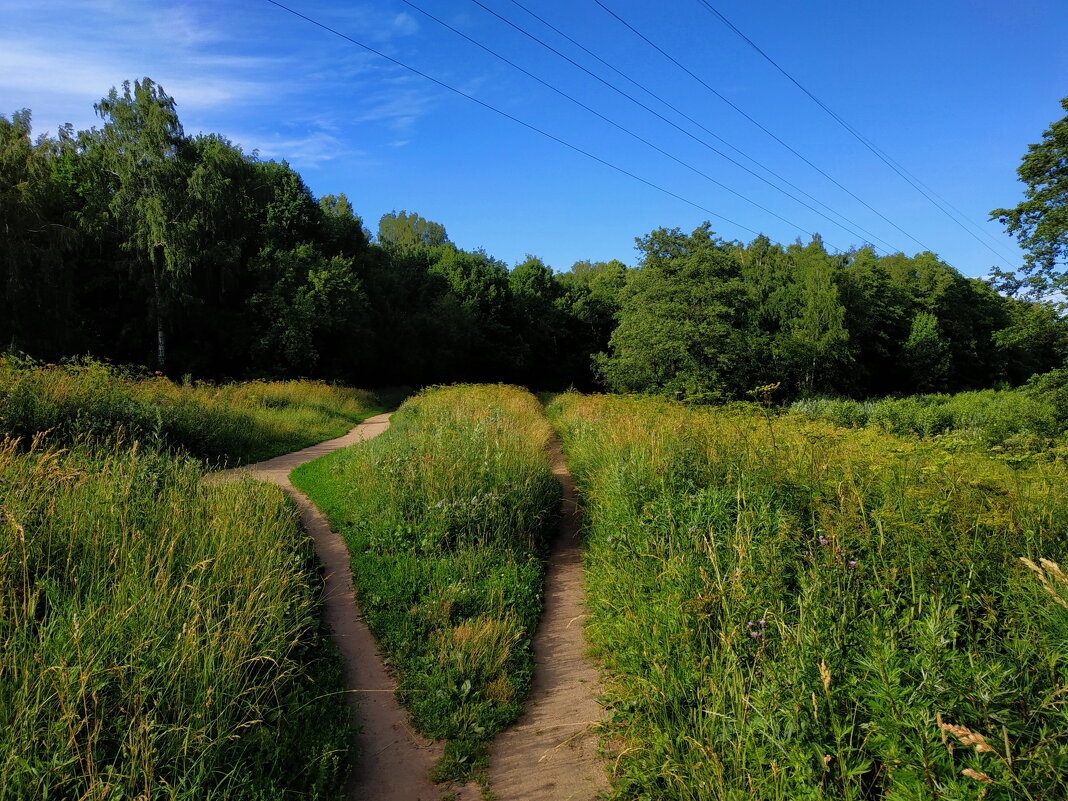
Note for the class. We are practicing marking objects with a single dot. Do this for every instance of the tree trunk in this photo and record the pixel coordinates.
(161, 340)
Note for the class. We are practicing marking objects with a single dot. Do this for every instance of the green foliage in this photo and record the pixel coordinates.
(788, 610)
(404, 230)
(140, 244)
(926, 353)
(159, 636)
(446, 516)
(1040, 221)
(682, 319)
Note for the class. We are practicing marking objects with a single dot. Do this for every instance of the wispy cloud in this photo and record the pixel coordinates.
(229, 66)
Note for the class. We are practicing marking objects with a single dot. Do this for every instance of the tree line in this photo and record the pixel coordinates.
(141, 244)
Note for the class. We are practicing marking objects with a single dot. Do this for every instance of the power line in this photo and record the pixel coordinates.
(705, 84)
(915, 182)
(681, 113)
(616, 125)
(682, 130)
(508, 116)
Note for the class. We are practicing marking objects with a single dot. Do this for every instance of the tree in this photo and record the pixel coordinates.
(816, 343)
(683, 322)
(141, 146)
(927, 354)
(1040, 222)
(404, 230)
(34, 241)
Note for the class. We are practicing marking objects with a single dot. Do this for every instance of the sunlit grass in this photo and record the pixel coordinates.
(446, 516)
(242, 422)
(791, 610)
(159, 638)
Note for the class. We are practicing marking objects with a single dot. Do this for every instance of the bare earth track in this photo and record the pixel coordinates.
(549, 755)
(551, 752)
(395, 761)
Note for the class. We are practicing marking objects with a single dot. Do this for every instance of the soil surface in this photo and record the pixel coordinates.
(550, 754)
(394, 760)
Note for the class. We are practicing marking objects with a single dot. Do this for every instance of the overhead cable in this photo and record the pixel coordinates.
(508, 116)
(616, 125)
(709, 87)
(871, 237)
(911, 179)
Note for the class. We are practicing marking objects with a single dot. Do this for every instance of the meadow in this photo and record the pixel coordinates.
(161, 635)
(446, 516)
(787, 609)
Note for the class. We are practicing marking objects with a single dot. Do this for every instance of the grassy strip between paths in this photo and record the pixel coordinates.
(159, 638)
(790, 610)
(224, 423)
(446, 516)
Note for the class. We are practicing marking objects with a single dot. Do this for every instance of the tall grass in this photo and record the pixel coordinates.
(233, 423)
(791, 610)
(159, 638)
(446, 516)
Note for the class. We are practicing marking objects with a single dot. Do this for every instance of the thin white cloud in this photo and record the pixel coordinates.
(61, 59)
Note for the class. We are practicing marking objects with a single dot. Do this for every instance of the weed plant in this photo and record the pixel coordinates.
(791, 610)
(233, 423)
(446, 517)
(159, 638)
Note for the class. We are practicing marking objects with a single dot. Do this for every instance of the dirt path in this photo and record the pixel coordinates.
(551, 752)
(395, 760)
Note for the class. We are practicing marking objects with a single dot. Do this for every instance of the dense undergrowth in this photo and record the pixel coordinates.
(446, 516)
(160, 636)
(235, 423)
(1032, 419)
(791, 610)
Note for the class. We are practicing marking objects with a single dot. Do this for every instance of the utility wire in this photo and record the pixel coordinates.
(508, 116)
(684, 115)
(705, 84)
(915, 182)
(672, 124)
(616, 125)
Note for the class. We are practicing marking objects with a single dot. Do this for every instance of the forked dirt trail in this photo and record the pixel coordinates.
(551, 752)
(395, 760)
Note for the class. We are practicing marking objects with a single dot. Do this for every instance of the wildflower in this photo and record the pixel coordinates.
(852, 562)
(823, 540)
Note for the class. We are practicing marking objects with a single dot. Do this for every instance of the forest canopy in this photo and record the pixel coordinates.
(141, 244)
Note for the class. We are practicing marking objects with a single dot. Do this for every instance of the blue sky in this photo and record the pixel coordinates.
(953, 90)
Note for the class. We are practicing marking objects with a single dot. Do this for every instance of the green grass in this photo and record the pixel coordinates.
(446, 517)
(159, 637)
(791, 610)
(225, 423)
